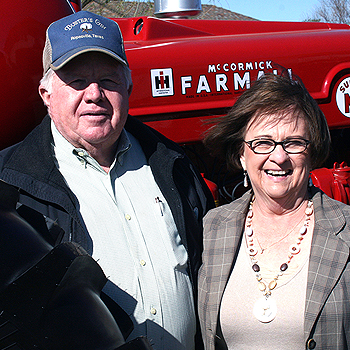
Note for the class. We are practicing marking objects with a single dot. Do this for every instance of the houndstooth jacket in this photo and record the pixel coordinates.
(327, 309)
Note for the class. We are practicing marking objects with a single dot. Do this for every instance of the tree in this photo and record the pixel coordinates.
(332, 11)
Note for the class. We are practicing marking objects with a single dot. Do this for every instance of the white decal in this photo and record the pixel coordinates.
(241, 82)
(203, 84)
(162, 82)
(343, 97)
(185, 83)
(241, 66)
(221, 80)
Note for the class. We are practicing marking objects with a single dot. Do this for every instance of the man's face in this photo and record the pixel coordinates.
(89, 101)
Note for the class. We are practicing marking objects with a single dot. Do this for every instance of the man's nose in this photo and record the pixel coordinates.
(94, 92)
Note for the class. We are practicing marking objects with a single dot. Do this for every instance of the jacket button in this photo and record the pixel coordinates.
(311, 344)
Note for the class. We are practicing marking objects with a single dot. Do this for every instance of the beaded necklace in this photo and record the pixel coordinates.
(265, 308)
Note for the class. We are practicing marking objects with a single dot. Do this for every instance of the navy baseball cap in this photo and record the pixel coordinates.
(78, 33)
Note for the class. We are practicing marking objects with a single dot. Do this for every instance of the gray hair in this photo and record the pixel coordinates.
(46, 81)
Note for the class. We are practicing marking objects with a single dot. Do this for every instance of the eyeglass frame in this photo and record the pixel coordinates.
(276, 143)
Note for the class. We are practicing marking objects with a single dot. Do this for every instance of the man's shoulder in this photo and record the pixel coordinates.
(6, 154)
(34, 145)
(148, 136)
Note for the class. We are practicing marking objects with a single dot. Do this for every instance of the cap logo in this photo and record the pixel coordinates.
(78, 21)
(85, 27)
(79, 33)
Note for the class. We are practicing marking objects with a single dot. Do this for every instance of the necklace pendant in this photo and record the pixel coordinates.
(309, 210)
(294, 249)
(272, 284)
(265, 309)
(252, 251)
(262, 286)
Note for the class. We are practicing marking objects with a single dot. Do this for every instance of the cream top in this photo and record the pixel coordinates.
(242, 330)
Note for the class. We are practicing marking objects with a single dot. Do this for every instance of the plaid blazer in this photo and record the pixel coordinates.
(327, 309)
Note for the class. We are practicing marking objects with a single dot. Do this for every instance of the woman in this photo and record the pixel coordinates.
(275, 271)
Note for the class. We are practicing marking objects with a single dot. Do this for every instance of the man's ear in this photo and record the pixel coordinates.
(45, 96)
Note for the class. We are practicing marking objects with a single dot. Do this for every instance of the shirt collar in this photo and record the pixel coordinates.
(65, 147)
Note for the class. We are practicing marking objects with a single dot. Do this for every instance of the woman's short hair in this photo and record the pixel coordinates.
(269, 95)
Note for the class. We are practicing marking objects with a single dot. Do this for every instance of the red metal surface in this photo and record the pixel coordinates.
(207, 64)
(185, 72)
(76, 5)
(197, 54)
(213, 189)
(334, 182)
(22, 27)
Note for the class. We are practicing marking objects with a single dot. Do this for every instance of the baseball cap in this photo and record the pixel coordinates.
(78, 33)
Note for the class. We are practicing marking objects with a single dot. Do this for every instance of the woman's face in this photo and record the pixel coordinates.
(277, 176)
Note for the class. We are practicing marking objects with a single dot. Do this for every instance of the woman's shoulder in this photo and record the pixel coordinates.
(230, 211)
(332, 215)
(329, 206)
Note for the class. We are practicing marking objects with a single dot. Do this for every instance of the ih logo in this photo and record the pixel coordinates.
(343, 97)
(162, 82)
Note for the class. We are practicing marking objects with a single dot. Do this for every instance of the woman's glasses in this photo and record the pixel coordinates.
(266, 146)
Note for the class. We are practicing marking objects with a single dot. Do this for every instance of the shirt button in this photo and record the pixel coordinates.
(142, 262)
(153, 311)
(127, 217)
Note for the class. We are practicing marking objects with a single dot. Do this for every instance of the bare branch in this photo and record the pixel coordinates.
(333, 11)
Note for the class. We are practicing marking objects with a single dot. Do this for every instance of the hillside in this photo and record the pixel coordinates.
(120, 8)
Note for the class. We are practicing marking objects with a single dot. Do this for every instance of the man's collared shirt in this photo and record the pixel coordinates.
(134, 239)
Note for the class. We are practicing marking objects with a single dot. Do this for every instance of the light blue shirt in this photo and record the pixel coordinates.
(134, 239)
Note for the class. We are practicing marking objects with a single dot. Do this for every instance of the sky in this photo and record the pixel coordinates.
(269, 10)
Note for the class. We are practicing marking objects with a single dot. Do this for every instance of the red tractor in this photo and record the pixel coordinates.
(188, 71)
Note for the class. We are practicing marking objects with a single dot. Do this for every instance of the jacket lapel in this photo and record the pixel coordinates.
(230, 244)
(328, 257)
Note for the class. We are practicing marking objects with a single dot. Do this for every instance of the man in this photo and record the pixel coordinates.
(124, 192)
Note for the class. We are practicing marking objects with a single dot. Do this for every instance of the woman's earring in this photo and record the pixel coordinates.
(245, 180)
